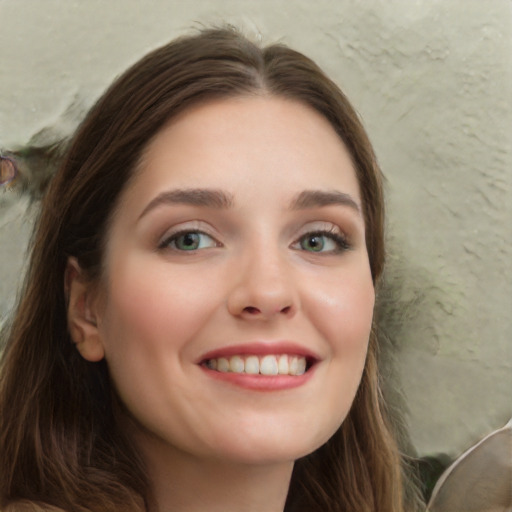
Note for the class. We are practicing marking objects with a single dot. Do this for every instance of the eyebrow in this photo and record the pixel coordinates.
(318, 198)
(212, 198)
(209, 198)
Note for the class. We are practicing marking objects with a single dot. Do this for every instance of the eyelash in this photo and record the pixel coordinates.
(339, 239)
(166, 242)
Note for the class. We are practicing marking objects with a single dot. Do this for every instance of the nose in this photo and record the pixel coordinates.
(263, 288)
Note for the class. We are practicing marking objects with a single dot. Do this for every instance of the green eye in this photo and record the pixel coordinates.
(189, 241)
(313, 243)
(321, 242)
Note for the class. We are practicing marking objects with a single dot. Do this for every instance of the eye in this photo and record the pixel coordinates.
(189, 241)
(322, 241)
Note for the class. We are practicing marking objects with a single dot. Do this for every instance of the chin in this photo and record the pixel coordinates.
(275, 446)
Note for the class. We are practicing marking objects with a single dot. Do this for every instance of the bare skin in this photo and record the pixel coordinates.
(240, 239)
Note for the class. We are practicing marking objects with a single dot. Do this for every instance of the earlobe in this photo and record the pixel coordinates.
(81, 313)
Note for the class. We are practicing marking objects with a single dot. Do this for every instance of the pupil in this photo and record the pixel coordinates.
(315, 243)
(190, 239)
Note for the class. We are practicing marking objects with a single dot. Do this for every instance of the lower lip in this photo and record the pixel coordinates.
(260, 382)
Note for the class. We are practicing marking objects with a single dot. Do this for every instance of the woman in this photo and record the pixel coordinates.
(195, 332)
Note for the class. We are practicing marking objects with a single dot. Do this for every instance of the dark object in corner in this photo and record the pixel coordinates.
(480, 480)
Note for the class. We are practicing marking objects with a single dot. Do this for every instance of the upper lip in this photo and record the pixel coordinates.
(261, 348)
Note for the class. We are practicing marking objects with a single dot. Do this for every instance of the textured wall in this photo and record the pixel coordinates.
(432, 80)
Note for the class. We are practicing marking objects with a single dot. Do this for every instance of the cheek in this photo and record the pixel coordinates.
(342, 311)
(151, 308)
(150, 315)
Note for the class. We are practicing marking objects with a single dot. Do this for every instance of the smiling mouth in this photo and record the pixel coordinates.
(268, 365)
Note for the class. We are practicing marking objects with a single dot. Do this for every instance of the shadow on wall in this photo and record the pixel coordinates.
(28, 169)
(409, 299)
(409, 303)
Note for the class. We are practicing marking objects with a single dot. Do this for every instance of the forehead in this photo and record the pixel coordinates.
(259, 143)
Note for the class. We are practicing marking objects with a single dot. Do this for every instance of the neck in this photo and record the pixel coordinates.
(181, 482)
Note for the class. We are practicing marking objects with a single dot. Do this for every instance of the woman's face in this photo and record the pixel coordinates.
(238, 297)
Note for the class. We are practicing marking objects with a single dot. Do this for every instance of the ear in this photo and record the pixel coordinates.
(82, 312)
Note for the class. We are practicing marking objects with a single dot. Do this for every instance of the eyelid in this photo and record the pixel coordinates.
(165, 243)
(332, 231)
(326, 227)
(184, 228)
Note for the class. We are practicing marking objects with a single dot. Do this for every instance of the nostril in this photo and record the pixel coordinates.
(251, 310)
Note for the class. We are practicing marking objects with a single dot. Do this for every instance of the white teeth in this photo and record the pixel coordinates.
(236, 364)
(252, 365)
(222, 365)
(282, 364)
(292, 369)
(297, 365)
(301, 366)
(268, 365)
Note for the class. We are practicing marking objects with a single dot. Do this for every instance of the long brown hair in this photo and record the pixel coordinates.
(60, 442)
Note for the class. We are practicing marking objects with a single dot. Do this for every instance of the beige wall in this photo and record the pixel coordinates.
(432, 80)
